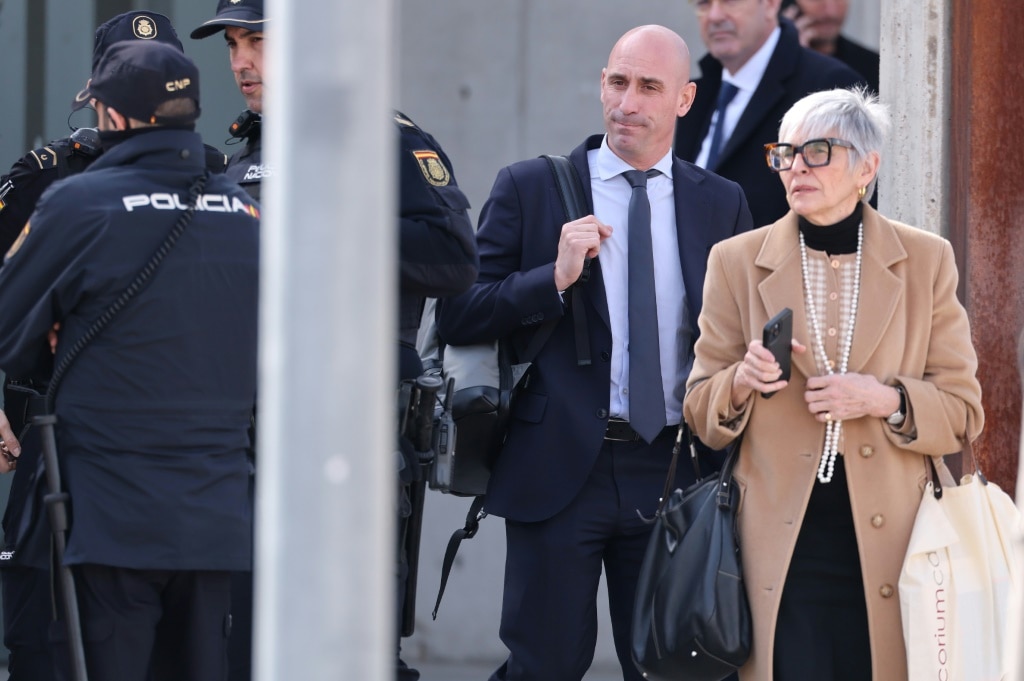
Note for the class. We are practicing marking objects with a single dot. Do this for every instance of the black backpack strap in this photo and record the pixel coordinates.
(575, 205)
(473, 518)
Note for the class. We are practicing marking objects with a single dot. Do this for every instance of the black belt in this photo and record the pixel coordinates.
(620, 431)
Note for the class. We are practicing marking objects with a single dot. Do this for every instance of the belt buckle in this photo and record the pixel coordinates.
(629, 436)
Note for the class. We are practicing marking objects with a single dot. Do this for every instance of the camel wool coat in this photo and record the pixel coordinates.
(911, 330)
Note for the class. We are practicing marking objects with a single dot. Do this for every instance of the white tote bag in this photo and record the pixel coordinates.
(957, 581)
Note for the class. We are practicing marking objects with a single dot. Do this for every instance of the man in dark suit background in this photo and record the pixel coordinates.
(761, 60)
(574, 472)
(819, 23)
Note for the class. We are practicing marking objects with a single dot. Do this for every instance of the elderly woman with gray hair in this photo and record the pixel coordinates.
(832, 467)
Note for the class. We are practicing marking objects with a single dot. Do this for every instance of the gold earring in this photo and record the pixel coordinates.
(862, 192)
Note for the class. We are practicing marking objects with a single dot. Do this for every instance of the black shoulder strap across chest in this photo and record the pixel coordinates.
(138, 284)
(575, 205)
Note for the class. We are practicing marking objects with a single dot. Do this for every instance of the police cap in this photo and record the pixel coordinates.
(138, 25)
(243, 13)
(135, 77)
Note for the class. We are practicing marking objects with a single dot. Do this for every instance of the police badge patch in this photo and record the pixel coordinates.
(433, 168)
(144, 27)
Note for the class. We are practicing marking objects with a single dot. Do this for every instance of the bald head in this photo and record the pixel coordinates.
(644, 88)
(659, 43)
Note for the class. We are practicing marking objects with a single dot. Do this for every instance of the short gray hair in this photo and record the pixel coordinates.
(854, 115)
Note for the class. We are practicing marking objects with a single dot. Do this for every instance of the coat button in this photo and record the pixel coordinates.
(877, 520)
(602, 413)
(867, 451)
(606, 356)
(886, 591)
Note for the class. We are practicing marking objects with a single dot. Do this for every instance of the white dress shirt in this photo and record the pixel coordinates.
(611, 194)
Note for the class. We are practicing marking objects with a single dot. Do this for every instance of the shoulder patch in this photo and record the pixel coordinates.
(45, 157)
(403, 121)
(4, 189)
(433, 168)
(18, 242)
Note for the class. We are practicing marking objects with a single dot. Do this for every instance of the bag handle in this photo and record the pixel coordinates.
(724, 475)
(936, 483)
(936, 477)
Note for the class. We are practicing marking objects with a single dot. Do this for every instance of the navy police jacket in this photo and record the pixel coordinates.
(153, 416)
(30, 175)
(246, 165)
(437, 242)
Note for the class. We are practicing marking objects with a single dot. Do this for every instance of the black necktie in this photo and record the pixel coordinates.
(646, 394)
(725, 95)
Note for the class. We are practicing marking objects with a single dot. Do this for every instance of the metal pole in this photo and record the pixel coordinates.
(326, 472)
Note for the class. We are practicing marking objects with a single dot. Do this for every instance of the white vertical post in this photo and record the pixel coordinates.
(326, 468)
(1015, 635)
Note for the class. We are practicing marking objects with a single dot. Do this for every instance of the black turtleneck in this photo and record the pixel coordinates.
(837, 239)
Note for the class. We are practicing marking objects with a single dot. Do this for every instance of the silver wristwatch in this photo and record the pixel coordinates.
(897, 418)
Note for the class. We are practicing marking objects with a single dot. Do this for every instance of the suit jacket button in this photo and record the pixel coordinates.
(602, 413)
(886, 591)
(867, 451)
(877, 520)
(606, 356)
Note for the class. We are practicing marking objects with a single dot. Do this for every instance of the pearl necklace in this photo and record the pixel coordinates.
(833, 429)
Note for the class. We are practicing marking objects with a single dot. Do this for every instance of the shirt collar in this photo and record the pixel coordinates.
(609, 165)
(750, 74)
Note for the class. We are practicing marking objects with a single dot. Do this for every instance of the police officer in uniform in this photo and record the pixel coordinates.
(153, 416)
(27, 597)
(38, 169)
(242, 22)
(436, 240)
(438, 258)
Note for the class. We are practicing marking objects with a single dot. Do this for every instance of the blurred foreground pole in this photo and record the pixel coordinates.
(324, 561)
(1016, 633)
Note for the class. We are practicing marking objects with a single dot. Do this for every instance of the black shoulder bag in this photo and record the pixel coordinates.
(691, 619)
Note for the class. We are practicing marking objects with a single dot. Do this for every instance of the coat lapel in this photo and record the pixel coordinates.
(784, 287)
(880, 288)
(694, 242)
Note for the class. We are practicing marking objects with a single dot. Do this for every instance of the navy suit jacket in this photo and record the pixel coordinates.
(792, 73)
(559, 421)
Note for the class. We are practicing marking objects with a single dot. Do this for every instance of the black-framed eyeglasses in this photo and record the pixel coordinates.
(816, 153)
